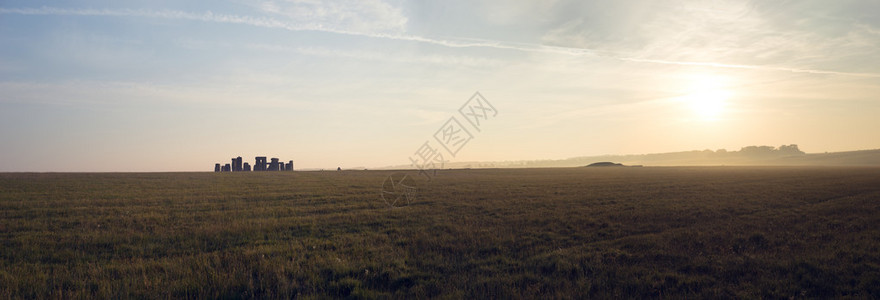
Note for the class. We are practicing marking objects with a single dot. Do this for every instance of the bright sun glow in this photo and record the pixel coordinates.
(707, 99)
(708, 104)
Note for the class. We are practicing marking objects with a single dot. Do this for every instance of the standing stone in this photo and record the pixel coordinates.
(236, 164)
(273, 166)
(216, 167)
(260, 163)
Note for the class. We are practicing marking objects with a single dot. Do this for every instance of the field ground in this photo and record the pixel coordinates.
(700, 232)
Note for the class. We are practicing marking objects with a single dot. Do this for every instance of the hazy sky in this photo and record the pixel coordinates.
(180, 85)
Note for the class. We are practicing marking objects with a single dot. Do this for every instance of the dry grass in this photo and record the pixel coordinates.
(523, 233)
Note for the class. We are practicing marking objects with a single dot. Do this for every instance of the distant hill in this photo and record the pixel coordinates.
(786, 155)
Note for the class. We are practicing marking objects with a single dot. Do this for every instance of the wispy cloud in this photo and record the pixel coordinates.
(724, 34)
(446, 60)
(312, 24)
(350, 15)
(344, 21)
(750, 67)
(266, 22)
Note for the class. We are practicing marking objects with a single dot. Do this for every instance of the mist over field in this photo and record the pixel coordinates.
(785, 155)
(376, 149)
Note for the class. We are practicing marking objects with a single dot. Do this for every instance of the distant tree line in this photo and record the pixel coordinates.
(783, 150)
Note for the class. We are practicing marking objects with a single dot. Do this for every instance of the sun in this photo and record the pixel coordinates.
(708, 104)
(707, 98)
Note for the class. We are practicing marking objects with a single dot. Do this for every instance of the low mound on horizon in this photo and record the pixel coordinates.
(605, 164)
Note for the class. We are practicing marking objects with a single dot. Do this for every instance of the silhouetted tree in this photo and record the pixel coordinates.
(790, 150)
(757, 150)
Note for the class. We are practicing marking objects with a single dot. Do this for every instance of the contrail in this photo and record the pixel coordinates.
(236, 19)
(476, 43)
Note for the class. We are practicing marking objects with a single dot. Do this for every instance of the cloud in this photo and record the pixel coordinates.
(170, 14)
(715, 35)
(751, 67)
(311, 24)
(724, 34)
(360, 55)
(348, 15)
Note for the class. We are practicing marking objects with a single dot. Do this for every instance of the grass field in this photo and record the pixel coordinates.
(702, 232)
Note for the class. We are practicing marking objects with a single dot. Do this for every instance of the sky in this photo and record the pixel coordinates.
(143, 86)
